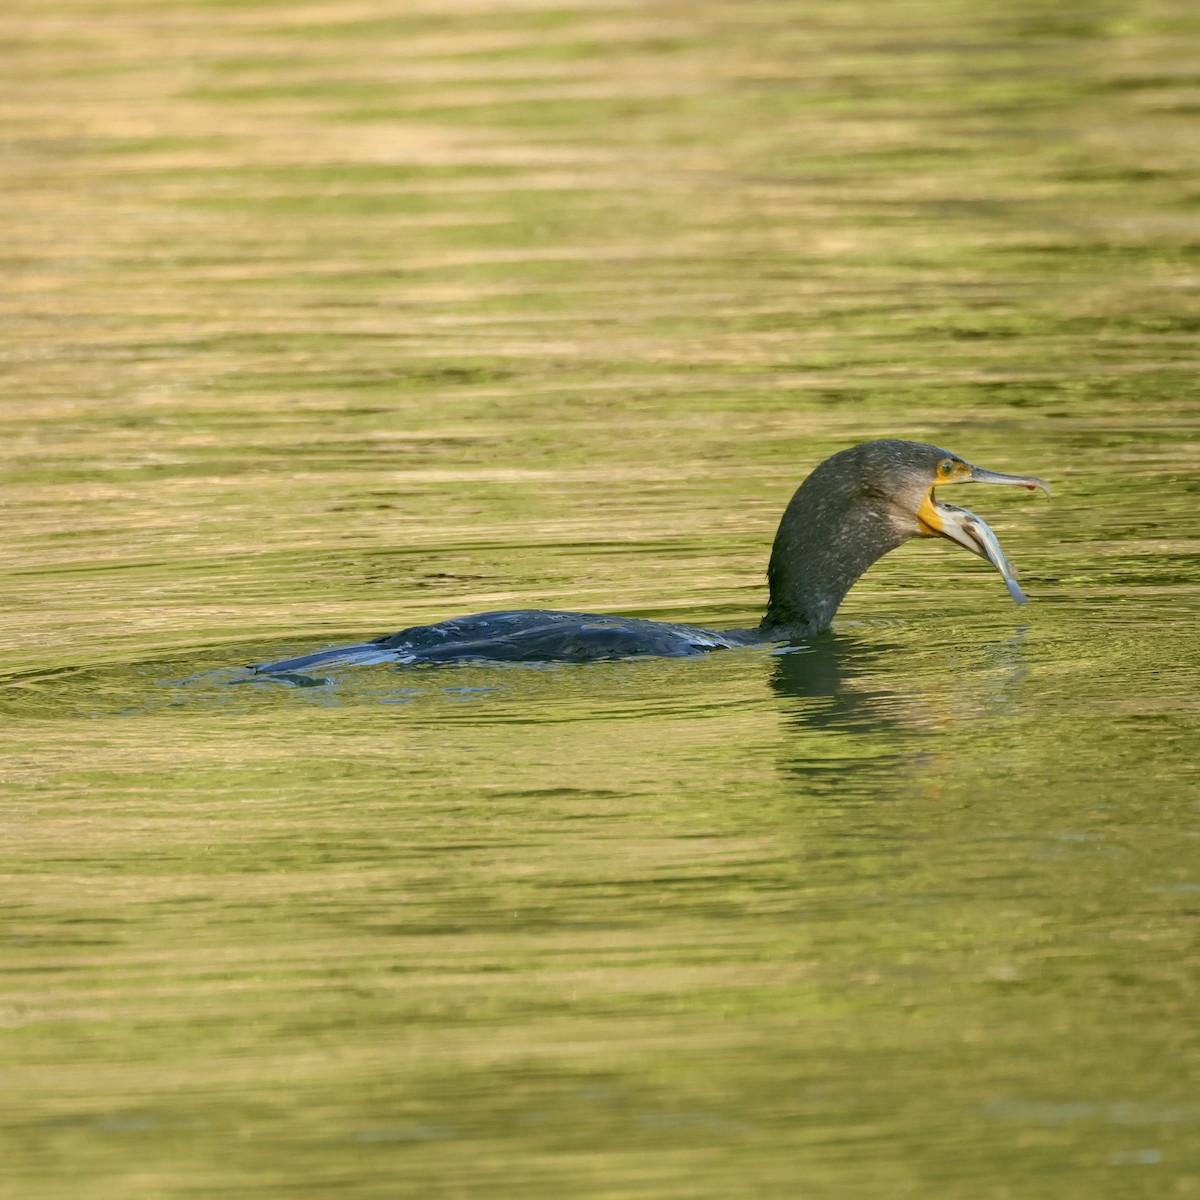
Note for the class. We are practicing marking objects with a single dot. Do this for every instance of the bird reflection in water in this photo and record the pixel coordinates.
(875, 718)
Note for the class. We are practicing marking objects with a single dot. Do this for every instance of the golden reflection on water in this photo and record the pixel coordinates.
(324, 320)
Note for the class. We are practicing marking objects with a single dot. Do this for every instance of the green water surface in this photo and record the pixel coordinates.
(325, 318)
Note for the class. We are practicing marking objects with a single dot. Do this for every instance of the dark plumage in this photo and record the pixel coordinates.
(853, 508)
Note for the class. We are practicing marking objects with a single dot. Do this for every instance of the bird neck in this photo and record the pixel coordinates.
(831, 532)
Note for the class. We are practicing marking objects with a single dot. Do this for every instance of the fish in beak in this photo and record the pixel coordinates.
(960, 525)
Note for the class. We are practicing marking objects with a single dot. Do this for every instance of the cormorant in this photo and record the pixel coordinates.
(855, 507)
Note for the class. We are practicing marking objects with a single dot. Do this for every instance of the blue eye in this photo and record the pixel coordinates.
(946, 466)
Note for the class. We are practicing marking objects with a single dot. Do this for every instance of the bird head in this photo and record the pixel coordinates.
(914, 472)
